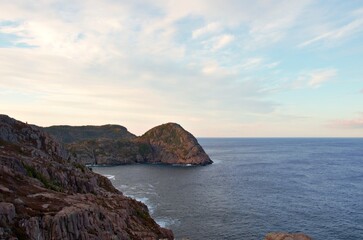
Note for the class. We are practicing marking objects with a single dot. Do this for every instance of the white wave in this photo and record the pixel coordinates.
(122, 187)
(166, 222)
(145, 201)
(111, 177)
(182, 165)
(216, 161)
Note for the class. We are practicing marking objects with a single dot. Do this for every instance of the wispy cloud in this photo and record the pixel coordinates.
(340, 32)
(212, 27)
(273, 64)
(222, 41)
(317, 77)
(312, 78)
(336, 34)
(251, 63)
(212, 68)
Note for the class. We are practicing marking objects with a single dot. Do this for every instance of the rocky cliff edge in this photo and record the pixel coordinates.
(46, 195)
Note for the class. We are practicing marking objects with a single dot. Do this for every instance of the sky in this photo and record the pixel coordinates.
(220, 68)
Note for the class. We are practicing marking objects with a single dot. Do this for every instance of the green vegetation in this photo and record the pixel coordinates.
(142, 214)
(19, 232)
(13, 147)
(3, 143)
(32, 172)
(104, 183)
(79, 166)
(144, 149)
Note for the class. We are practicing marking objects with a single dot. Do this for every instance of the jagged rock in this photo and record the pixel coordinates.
(47, 196)
(171, 144)
(286, 236)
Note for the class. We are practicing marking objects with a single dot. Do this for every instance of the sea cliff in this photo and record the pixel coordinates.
(46, 194)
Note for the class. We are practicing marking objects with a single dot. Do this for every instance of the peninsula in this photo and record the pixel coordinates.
(113, 145)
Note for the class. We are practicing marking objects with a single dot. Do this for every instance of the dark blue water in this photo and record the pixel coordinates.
(256, 186)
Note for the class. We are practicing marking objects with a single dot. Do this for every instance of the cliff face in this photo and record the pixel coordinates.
(46, 195)
(168, 144)
(108, 151)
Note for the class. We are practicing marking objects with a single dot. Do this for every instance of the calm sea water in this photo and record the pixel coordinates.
(255, 186)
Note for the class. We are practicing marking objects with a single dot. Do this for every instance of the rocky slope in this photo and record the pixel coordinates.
(111, 144)
(45, 194)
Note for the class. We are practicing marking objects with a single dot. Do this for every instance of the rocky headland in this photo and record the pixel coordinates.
(114, 145)
(46, 194)
(171, 144)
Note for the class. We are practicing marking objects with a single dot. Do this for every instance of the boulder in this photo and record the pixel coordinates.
(286, 236)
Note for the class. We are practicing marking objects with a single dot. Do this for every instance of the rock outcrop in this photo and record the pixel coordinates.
(113, 145)
(45, 194)
(286, 236)
(171, 144)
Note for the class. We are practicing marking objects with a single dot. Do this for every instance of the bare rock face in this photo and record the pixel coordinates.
(287, 236)
(47, 195)
(171, 144)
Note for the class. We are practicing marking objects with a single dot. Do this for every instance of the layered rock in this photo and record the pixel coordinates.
(287, 236)
(45, 194)
(168, 144)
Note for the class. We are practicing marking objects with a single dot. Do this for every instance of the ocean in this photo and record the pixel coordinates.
(255, 186)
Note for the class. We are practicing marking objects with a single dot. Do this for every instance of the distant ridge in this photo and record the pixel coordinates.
(70, 134)
(113, 145)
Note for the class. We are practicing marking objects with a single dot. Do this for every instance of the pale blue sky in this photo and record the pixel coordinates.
(234, 68)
